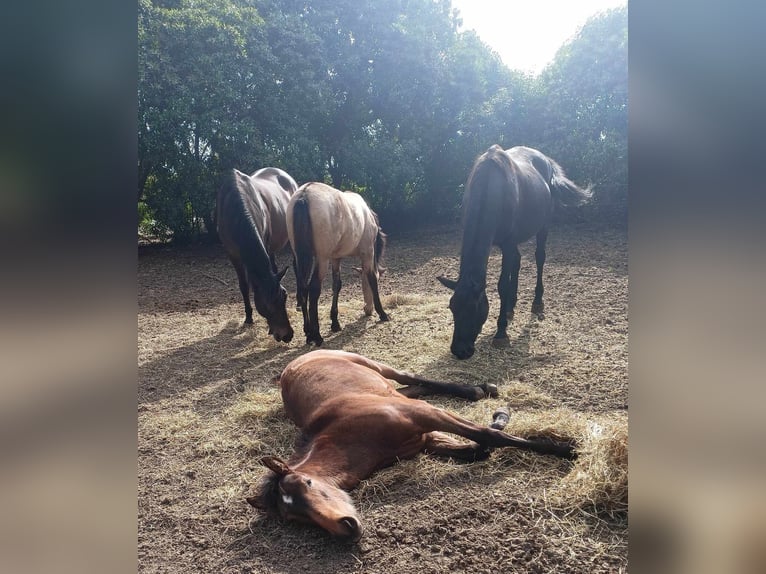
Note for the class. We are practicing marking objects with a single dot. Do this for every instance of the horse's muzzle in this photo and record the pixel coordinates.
(352, 527)
(284, 338)
(462, 350)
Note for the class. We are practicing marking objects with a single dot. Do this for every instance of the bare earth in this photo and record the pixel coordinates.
(208, 410)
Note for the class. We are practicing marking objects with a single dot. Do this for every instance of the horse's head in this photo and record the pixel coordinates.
(298, 496)
(271, 303)
(469, 308)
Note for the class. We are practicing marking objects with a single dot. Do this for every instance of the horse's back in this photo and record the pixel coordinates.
(317, 379)
(535, 203)
(276, 187)
(340, 220)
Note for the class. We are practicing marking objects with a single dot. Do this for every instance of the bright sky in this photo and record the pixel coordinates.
(528, 33)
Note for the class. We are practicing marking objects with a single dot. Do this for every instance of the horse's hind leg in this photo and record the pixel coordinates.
(315, 288)
(336, 285)
(430, 418)
(244, 288)
(442, 444)
(507, 289)
(372, 278)
(538, 307)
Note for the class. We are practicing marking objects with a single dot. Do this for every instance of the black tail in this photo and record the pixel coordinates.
(565, 191)
(303, 235)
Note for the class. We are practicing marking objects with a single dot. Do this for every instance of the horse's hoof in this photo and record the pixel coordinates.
(383, 317)
(540, 316)
(481, 453)
(248, 321)
(335, 327)
(490, 389)
(501, 342)
(500, 418)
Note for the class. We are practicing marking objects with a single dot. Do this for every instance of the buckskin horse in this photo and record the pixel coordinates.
(509, 197)
(354, 422)
(252, 227)
(325, 225)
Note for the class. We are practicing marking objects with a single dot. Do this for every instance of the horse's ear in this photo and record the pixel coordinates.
(448, 283)
(281, 274)
(276, 465)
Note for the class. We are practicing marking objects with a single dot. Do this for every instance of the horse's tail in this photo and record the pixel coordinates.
(564, 190)
(244, 230)
(303, 235)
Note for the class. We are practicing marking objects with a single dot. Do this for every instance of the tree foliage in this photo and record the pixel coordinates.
(386, 97)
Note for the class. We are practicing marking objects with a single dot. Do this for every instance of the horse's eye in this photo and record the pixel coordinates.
(308, 482)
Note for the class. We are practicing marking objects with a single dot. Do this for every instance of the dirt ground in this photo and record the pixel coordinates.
(207, 411)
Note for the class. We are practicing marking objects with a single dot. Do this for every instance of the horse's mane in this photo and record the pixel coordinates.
(245, 228)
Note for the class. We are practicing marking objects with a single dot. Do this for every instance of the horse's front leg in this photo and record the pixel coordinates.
(370, 289)
(538, 307)
(336, 285)
(244, 288)
(507, 289)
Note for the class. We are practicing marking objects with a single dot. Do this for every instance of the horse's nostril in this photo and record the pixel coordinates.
(352, 526)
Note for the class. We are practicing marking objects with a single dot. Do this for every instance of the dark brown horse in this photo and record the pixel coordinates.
(509, 197)
(325, 225)
(354, 422)
(252, 227)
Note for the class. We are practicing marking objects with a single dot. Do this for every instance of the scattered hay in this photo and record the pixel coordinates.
(520, 395)
(208, 411)
(400, 299)
(599, 480)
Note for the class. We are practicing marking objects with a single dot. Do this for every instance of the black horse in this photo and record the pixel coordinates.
(252, 227)
(509, 198)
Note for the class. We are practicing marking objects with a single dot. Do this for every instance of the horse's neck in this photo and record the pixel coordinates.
(332, 464)
(479, 228)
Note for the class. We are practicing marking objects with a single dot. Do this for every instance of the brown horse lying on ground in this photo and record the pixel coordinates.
(354, 422)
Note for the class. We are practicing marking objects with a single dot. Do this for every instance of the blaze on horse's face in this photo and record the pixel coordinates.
(311, 500)
(469, 308)
(271, 303)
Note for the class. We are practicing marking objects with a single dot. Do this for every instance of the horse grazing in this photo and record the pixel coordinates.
(509, 198)
(325, 225)
(252, 227)
(354, 422)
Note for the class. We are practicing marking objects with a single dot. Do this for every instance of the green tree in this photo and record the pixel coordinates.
(584, 108)
(201, 102)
